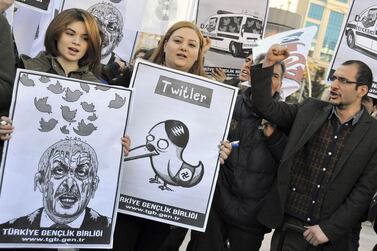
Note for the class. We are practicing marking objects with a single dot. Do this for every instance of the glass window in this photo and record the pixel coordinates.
(332, 32)
(307, 24)
(343, 1)
(315, 11)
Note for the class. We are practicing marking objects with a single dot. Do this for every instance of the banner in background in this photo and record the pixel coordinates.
(234, 27)
(111, 16)
(359, 39)
(298, 42)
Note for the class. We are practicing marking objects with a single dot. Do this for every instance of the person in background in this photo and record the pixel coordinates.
(327, 175)
(244, 76)
(246, 176)
(370, 104)
(117, 72)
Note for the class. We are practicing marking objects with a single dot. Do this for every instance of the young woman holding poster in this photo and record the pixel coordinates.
(182, 48)
(73, 47)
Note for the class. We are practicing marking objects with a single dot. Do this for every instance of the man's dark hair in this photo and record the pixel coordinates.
(364, 74)
(283, 68)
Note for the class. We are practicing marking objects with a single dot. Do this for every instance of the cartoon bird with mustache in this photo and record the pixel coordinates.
(165, 144)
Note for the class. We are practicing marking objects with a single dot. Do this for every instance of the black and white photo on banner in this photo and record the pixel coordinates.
(358, 40)
(234, 27)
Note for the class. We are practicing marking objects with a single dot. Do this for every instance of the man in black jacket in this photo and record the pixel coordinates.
(244, 180)
(327, 174)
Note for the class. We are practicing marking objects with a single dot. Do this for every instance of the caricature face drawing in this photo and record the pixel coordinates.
(111, 22)
(67, 178)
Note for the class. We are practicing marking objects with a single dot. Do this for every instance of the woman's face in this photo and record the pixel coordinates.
(73, 42)
(182, 49)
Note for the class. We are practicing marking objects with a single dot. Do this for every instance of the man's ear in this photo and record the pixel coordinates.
(363, 90)
(95, 185)
(38, 181)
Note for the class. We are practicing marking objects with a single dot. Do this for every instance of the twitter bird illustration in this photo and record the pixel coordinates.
(68, 114)
(26, 81)
(93, 117)
(164, 145)
(85, 87)
(72, 96)
(84, 129)
(87, 107)
(44, 79)
(41, 105)
(64, 130)
(56, 88)
(118, 102)
(46, 126)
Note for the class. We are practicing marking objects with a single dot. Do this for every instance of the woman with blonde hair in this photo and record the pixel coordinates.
(181, 48)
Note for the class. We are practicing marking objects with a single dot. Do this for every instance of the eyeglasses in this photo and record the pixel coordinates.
(343, 80)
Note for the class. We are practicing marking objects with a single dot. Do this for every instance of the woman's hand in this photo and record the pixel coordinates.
(225, 150)
(126, 143)
(6, 128)
(219, 74)
(268, 128)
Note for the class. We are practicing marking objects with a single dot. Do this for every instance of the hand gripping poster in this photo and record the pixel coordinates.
(359, 39)
(60, 170)
(176, 126)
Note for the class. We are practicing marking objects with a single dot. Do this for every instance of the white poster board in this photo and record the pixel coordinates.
(177, 123)
(358, 40)
(60, 170)
(298, 42)
(234, 27)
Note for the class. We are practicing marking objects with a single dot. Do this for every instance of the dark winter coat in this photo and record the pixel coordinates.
(47, 63)
(249, 172)
(7, 66)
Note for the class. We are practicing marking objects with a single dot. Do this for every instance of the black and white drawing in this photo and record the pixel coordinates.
(164, 145)
(117, 22)
(176, 125)
(358, 41)
(67, 179)
(111, 22)
(69, 156)
(234, 28)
